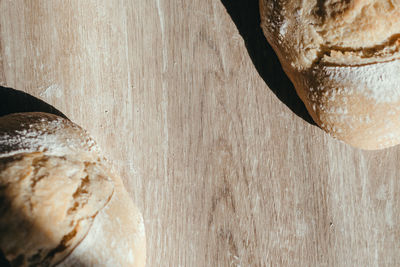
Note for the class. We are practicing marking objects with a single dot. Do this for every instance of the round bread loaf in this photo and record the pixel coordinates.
(60, 203)
(343, 57)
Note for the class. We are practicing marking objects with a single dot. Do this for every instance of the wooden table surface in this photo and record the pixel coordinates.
(190, 104)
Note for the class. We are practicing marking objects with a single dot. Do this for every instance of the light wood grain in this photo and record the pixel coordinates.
(225, 173)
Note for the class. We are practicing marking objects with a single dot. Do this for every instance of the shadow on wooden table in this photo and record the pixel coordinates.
(245, 14)
(14, 101)
(3, 261)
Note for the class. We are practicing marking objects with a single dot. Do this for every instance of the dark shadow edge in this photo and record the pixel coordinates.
(15, 101)
(246, 16)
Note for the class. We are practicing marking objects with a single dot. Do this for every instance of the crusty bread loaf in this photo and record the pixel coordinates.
(343, 57)
(60, 204)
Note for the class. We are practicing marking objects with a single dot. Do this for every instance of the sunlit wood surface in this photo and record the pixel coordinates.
(191, 106)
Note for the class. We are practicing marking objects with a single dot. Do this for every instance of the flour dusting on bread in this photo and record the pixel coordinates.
(343, 57)
(54, 187)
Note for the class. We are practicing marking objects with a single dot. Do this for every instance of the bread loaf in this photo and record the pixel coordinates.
(60, 203)
(343, 57)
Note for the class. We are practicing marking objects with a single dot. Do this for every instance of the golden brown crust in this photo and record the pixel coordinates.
(48, 205)
(343, 56)
(116, 238)
(59, 202)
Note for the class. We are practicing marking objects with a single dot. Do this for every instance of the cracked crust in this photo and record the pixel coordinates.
(60, 205)
(61, 190)
(343, 57)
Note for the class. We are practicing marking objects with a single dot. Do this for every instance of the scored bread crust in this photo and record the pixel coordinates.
(343, 57)
(60, 203)
(116, 238)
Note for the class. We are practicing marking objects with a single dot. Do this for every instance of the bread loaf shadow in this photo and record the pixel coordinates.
(14, 101)
(3, 261)
(246, 16)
